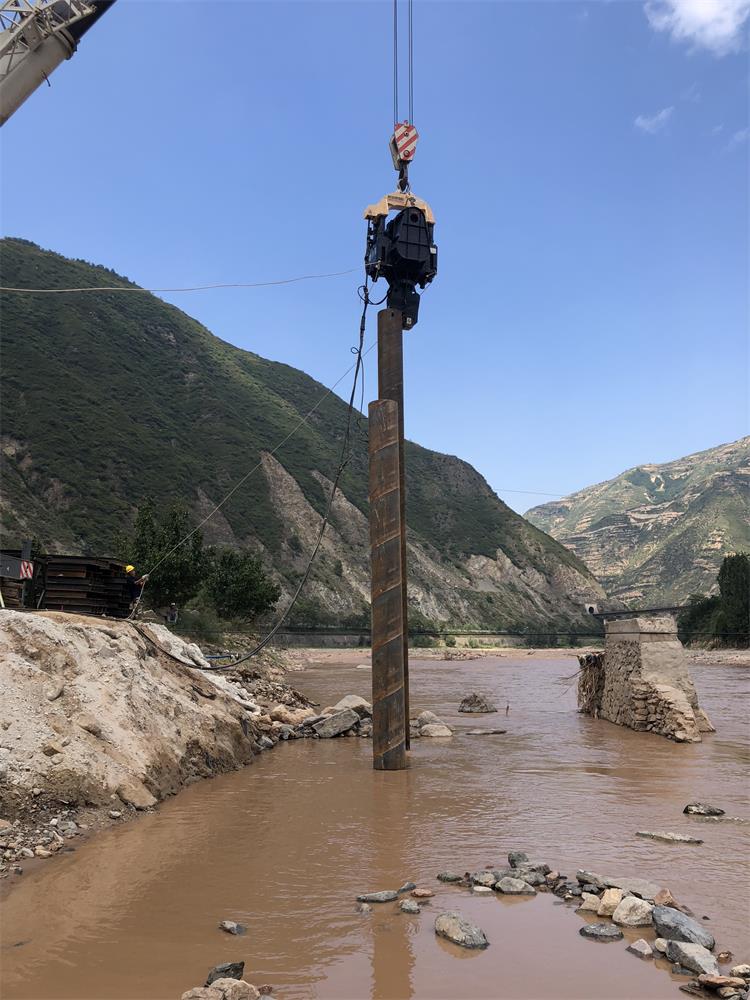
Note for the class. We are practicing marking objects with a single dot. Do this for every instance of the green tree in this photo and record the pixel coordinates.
(179, 577)
(238, 586)
(734, 587)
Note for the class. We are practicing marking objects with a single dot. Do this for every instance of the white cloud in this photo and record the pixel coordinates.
(717, 25)
(738, 139)
(653, 123)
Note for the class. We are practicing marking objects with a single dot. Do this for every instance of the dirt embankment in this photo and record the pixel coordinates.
(97, 722)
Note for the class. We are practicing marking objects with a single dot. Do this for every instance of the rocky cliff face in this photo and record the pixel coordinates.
(113, 398)
(658, 533)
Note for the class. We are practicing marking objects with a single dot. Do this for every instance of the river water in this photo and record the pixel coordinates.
(285, 845)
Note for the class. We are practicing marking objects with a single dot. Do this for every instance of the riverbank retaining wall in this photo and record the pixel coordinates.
(642, 681)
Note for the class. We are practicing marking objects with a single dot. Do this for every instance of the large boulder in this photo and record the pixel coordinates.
(436, 729)
(692, 956)
(676, 926)
(515, 887)
(475, 702)
(611, 899)
(702, 809)
(456, 928)
(235, 989)
(601, 932)
(336, 724)
(632, 912)
(360, 705)
(227, 970)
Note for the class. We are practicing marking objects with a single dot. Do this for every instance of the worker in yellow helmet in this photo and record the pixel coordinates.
(135, 585)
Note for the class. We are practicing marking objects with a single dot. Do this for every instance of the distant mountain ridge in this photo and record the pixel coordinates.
(658, 533)
(111, 398)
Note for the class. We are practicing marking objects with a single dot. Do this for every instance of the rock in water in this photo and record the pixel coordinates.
(449, 877)
(633, 912)
(701, 809)
(383, 896)
(232, 927)
(609, 902)
(676, 926)
(486, 732)
(717, 982)
(425, 718)
(590, 903)
(360, 705)
(409, 906)
(475, 702)
(515, 887)
(517, 858)
(483, 878)
(460, 931)
(741, 970)
(422, 893)
(692, 956)
(670, 838)
(202, 993)
(235, 989)
(638, 887)
(335, 724)
(641, 948)
(601, 932)
(228, 970)
(407, 887)
(435, 729)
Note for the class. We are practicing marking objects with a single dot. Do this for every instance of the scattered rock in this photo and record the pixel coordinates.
(601, 932)
(632, 912)
(336, 724)
(290, 716)
(674, 925)
(483, 878)
(409, 906)
(407, 887)
(5, 824)
(227, 970)
(42, 852)
(590, 903)
(741, 970)
(475, 702)
(435, 729)
(449, 877)
(665, 898)
(724, 957)
(486, 732)
(382, 896)
(88, 723)
(51, 748)
(364, 908)
(235, 989)
(422, 893)
(660, 945)
(641, 948)
(591, 878)
(425, 718)
(115, 814)
(232, 927)
(517, 858)
(701, 809)
(670, 838)
(456, 928)
(54, 692)
(692, 956)
(360, 705)
(515, 887)
(203, 993)
(638, 886)
(609, 902)
(715, 982)
(134, 793)
(481, 890)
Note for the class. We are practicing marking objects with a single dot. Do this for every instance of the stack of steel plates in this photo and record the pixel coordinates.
(85, 585)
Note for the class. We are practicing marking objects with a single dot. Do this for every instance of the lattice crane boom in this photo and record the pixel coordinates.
(35, 37)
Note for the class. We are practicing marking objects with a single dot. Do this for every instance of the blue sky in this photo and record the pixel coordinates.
(587, 164)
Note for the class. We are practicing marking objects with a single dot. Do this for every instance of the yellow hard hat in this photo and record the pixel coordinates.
(129, 569)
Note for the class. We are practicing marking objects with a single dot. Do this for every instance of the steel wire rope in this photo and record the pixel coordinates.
(395, 62)
(190, 288)
(411, 62)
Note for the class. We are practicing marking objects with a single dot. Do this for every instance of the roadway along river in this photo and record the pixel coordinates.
(285, 845)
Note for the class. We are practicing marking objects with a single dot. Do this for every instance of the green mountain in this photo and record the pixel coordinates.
(112, 397)
(658, 533)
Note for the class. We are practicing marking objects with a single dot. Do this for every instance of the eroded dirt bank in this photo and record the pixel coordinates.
(100, 720)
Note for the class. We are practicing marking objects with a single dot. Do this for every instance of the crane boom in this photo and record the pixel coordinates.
(35, 37)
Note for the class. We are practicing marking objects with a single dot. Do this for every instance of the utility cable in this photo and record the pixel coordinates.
(343, 462)
(192, 288)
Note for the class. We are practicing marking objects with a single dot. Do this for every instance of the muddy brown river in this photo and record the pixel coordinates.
(285, 845)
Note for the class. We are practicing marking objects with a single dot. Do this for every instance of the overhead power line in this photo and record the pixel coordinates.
(191, 288)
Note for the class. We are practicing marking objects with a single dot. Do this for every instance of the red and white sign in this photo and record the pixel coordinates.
(405, 136)
(27, 570)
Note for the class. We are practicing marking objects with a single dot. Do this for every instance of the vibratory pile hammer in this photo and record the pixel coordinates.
(402, 250)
